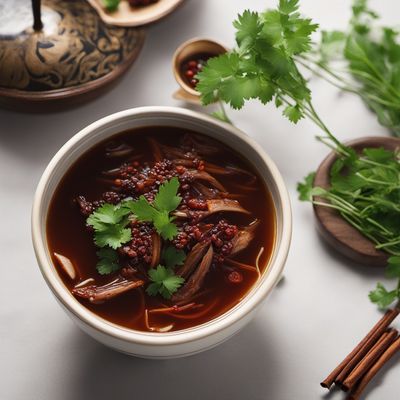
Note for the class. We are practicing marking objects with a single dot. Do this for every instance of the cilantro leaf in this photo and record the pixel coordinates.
(173, 257)
(114, 236)
(164, 282)
(248, 26)
(111, 5)
(379, 154)
(382, 297)
(142, 209)
(107, 214)
(393, 268)
(306, 190)
(166, 199)
(109, 222)
(288, 6)
(293, 113)
(108, 261)
(162, 222)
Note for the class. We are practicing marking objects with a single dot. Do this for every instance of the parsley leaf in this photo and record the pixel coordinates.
(382, 297)
(164, 282)
(173, 257)
(108, 261)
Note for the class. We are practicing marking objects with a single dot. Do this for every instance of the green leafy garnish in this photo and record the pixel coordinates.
(164, 282)
(365, 188)
(165, 201)
(109, 223)
(382, 297)
(111, 5)
(173, 257)
(371, 56)
(108, 261)
(263, 66)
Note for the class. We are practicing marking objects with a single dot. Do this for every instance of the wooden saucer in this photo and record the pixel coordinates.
(334, 229)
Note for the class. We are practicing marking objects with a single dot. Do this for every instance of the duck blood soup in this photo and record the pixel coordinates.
(160, 229)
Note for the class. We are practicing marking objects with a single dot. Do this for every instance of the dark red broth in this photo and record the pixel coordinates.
(224, 285)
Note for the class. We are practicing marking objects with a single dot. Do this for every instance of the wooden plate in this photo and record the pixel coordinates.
(126, 15)
(70, 60)
(334, 229)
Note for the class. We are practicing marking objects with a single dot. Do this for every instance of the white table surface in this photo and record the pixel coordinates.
(303, 330)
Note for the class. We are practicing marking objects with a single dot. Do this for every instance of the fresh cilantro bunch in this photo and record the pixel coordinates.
(372, 63)
(111, 231)
(263, 66)
(365, 190)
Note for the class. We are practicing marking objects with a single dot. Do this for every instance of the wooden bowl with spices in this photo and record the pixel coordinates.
(342, 236)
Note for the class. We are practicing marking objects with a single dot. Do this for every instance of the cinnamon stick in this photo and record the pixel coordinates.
(386, 356)
(364, 365)
(362, 348)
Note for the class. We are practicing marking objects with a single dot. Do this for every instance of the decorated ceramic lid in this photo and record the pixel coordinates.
(59, 51)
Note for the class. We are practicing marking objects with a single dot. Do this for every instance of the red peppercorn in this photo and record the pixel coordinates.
(180, 169)
(189, 73)
(192, 64)
(235, 277)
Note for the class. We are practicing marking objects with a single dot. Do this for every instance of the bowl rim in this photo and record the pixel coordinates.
(249, 302)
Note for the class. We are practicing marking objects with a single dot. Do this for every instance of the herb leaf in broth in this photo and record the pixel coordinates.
(173, 257)
(164, 282)
(108, 261)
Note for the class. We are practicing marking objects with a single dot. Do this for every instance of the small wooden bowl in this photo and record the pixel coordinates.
(333, 228)
(128, 16)
(187, 49)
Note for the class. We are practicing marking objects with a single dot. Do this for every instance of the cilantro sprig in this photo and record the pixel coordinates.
(164, 282)
(108, 261)
(366, 61)
(109, 221)
(264, 66)
(173, 257)
(365, 190)
(110, 225)
(159, 211)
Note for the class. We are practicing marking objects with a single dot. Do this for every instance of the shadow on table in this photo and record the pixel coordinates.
(345, 262)
(245, 367)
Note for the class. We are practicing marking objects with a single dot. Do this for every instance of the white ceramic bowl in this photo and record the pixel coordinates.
(188, 341)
